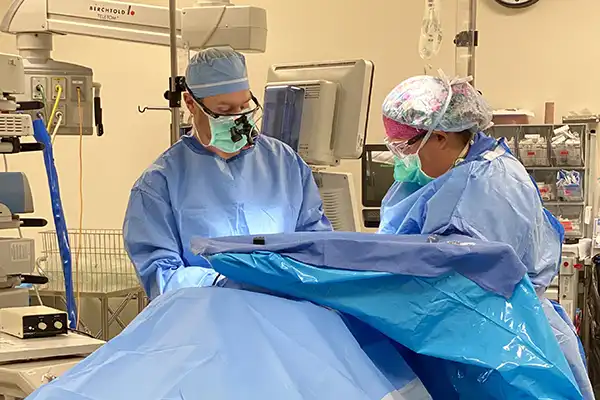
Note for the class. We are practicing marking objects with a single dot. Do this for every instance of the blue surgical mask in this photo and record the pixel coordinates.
(408, 169)
(229, 134)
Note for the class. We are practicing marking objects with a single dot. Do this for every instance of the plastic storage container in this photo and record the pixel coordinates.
(546, 191)
(512, 116)
(567, 147)
(546, 182)
(569, 190)
(533, 151)
(569, 154)
(571, 218)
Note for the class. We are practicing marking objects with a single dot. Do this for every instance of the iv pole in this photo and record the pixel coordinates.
(174, 95)
(176, 82)
(467, 38)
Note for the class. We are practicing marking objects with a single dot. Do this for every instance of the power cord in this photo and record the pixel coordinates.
(56, 127)
(58, 89)
(80, 236)
(216, 279)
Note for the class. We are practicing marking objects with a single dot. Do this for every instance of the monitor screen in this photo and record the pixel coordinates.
(335, 110)
(377, 174)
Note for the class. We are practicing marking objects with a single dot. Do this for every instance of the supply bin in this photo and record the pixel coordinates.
(546, 182)
(533, 146)
(569, 185)
(567, 146)
(571, 218)
(547, 191)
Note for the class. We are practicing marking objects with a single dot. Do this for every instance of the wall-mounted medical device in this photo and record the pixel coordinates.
(65, 89)
(337, 97)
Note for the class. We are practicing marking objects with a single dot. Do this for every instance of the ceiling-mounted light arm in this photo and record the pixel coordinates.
(205, 25)
(209, 23)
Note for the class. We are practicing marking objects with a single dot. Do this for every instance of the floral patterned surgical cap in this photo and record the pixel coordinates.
(419, 101)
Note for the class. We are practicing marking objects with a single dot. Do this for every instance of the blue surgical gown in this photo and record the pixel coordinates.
(189, 191)
(490, 196)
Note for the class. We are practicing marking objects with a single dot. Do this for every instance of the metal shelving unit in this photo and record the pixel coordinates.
(543, 165)
(544, 162)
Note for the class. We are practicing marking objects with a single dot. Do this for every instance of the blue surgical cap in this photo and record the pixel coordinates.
(215, 71)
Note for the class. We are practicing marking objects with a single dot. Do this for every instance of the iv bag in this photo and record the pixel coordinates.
(431, 30)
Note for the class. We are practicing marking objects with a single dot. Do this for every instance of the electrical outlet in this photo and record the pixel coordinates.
(38, 88)
(78, 88)
(62, 109)
(56, 82)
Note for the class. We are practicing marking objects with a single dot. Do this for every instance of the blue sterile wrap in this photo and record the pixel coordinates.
(464, 337)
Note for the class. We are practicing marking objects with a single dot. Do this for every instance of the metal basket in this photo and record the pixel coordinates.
(103, 265)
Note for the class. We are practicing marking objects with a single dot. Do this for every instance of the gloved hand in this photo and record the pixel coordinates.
(191, 276)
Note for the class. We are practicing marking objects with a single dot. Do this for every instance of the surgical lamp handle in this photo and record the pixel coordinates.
(25, 147)
(30, 105)
(33, 222)
(34, 279)
(98, 109)
(98, 116)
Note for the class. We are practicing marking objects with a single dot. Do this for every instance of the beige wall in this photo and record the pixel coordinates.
(524, 59)
(546, 53)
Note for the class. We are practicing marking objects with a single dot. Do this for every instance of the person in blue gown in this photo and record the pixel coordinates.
(222, 179)
(450, 178)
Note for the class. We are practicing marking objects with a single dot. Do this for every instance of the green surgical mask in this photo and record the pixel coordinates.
(409, 169)
(221, 133)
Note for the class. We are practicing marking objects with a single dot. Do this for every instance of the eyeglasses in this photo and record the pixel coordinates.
(399, 147)
(257, 107)
(243, 127)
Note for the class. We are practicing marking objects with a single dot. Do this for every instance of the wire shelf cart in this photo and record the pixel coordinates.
(101, 270)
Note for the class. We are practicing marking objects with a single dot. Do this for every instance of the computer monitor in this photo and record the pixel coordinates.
(336, 100)
(377, 174)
